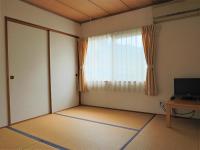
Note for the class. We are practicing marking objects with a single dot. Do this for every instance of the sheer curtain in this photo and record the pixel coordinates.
(116, 61)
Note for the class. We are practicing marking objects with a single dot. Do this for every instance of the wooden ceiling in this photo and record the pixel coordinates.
(86, 10)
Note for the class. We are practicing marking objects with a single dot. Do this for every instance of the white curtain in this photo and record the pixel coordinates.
(116, 62)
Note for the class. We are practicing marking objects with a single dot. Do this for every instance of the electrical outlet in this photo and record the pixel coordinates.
(162, 105)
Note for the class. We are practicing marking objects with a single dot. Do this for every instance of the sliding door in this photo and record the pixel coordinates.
(63, 71)
(28, 71)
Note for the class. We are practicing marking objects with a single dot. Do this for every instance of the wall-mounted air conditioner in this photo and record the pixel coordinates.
(176, 9)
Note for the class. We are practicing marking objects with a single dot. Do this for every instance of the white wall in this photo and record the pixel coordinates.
(20, 10)
(129, 20)
(177, 56)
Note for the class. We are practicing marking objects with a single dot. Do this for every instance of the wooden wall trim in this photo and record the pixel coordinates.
(49, 71)
(77, 75)
(29, 119)
(7, 72)
(38, 26)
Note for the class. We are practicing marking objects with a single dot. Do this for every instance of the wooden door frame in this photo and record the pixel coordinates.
(48, 30)
(49, 70)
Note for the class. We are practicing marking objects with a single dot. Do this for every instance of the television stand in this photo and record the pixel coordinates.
(180, 103)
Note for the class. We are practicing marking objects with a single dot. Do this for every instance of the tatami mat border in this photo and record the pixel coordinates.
(134, 136)
(98, 122)
(63, 148)
(38, 139)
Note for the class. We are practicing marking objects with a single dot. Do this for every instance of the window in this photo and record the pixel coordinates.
(116, 61)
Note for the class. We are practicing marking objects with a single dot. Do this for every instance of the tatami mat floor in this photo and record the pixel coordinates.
(183, 135)
(76, 134)
(92, 128)
(10, 140)
(126, 119)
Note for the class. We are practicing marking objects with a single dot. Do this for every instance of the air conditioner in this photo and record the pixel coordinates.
(176, 9)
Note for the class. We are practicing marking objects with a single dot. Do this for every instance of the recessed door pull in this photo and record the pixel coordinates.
(12, 77)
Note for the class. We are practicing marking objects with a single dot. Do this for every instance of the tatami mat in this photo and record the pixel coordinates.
(156, 136)
(14, 141)
(76, 134)
(110, 116)
(39, 146)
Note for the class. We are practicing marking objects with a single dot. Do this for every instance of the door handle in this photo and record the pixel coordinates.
(12, 77)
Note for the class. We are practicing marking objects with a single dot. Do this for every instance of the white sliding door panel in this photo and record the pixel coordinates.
(28, 63)
(63, 70)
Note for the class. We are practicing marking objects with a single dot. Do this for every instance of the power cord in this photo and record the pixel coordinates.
(183, 114)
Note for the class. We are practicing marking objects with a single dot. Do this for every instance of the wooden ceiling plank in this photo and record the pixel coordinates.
(86, 7)
(142, 3)
(124, 4)
(87, 10)
(50, 11)
(132, 9)
(137, 3)
(99, 6)
(112, 6)
(63, 3)
(52, 5)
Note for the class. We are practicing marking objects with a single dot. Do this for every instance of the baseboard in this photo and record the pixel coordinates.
(119, 109)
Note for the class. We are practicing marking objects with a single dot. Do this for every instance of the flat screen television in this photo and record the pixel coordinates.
(187, 87)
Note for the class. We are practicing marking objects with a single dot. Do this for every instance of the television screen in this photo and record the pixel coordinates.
(187, 87)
